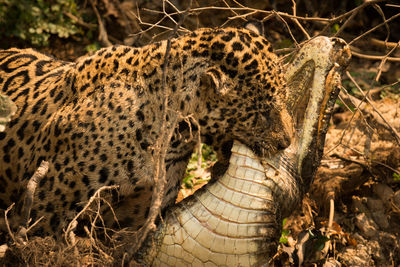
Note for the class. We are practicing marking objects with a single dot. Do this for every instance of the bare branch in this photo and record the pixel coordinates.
(79, 21)
(7, 224)
(384, 61)
(287, 27)
(360, 55)
(160, 150)
(103, 37)
(96, 195)
(374, 28)
(391, 129)
(296, 21)
(30, 190)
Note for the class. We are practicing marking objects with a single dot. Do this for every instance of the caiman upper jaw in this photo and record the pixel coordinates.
(314, 74)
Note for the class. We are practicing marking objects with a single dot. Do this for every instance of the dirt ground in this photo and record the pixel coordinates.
(358, 182)
(359, 174)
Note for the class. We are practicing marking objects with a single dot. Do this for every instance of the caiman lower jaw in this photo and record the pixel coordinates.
(340, 57)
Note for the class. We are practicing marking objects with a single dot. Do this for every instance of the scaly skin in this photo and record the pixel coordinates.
(235, 221)
(230, 223)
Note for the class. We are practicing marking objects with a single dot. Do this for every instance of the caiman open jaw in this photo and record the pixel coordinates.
(315, 75)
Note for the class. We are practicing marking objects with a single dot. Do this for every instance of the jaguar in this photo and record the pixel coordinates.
(97, 120)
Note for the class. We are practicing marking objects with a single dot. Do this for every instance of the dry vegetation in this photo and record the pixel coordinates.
(351, 217)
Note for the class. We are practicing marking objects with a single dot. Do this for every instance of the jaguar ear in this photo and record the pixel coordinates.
(255, 26)
(215, 78)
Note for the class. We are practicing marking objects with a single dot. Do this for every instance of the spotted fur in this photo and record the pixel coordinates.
(96, 120)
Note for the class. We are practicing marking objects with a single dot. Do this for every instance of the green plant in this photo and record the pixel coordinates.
(93, 47)
(285, 43)
(208, 157)
(335, 28)
(365, 79)
(392, 91)
(319, 240)
(36, 20)
(285, 233)
(396, 177)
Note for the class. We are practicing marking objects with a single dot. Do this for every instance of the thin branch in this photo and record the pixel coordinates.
(96, 195)
(393, 5)
(30, 190)
(267, 13)
(93, 243)
(103, 37)
(384, 61)
(160, 150)
(296, 21)
(390, 127)
(34, 224)
(374, 28)
(234, 12)
(243, 16)
(349, 13)
(380, 43)
(7, 224)
(357, 109)
(79, 21)
(287, 27)
(349, 19)
(379, 10)
(282, 14)
(360, 55)
(153, 25)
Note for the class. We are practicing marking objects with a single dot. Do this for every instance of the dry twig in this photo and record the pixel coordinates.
(361, 55)
(79, 21)
(296, 21)
(21, 235)
(384, 61)
(374, 28)
(72, 225)
(30, 190)
(7, 223)
(103, 37)
(388, 126)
